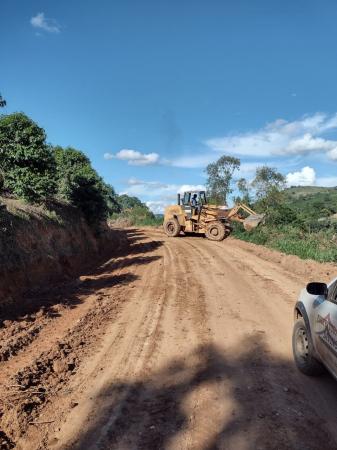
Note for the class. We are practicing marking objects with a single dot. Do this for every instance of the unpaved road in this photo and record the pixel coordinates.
(177, 343)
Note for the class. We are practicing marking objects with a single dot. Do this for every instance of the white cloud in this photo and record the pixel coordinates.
(299, 137)
(157, 207)
(43, 23)
(151, 184)
(156, 188)
(304, 177)
(134, 157)
(307, 177)
(190, 187)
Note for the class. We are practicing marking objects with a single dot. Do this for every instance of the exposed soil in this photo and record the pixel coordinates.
(174, 343)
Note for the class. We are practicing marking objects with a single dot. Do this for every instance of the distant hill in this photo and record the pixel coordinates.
(312, 201)
(300, 191)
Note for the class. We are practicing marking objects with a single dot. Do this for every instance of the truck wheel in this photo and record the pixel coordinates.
(303, 351)
(216, 231)
(172, 228)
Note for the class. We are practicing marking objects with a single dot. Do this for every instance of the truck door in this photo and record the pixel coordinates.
(325, 327)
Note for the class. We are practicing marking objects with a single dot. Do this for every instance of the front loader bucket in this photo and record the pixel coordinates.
(252, 221)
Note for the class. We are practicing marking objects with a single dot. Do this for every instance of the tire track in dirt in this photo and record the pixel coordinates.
(196, 355)
(263, 312)
(129, 354)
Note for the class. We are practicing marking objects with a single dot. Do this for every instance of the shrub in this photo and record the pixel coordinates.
(26, 160)
(79, 183)
(134, 212)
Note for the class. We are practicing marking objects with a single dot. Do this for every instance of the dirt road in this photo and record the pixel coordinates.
(177, 343)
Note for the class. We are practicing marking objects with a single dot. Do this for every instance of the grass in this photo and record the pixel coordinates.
(320, 246)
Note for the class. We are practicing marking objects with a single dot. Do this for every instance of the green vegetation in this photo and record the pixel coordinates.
(320, 245)
(40, 174)
(79, 184)
(219, 177)
(299, 221)
(26, 160)
(135, 213)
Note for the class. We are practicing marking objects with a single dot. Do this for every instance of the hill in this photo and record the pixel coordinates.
(312, 202)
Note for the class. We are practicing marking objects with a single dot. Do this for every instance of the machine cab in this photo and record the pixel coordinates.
(192, 208)
(187, 198)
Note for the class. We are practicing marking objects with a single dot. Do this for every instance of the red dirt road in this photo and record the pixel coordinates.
(178, 343)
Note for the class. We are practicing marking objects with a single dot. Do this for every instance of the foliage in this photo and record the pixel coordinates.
(320, 246)
(26, 160)
(127, 202)
(220, 174)
(111, 198)
(244, 190)
(139, 214)
(269, 185)
(32, 170)
(80, 184)
(266, 179)
(3, 102)
(302, 223)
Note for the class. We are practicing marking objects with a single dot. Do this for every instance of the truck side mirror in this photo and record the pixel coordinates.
(317, 289)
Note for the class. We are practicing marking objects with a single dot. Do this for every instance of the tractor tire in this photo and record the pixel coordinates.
(216, 231)
(172, 228)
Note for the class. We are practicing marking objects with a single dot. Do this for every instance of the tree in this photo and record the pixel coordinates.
(79, 183)
(111, 198)
(220, 174)
(26, 160)
(268, 184)
(243, 187)
(127, 202)
(3, 102)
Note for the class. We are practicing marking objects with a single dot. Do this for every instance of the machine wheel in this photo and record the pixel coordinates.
(216, 231)
(172, 227)
(304, 352)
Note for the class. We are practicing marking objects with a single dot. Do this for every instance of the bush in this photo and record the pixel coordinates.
(26, 160)
(138, 215)
(79, 184)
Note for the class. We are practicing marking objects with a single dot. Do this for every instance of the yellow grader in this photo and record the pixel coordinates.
(193, 215)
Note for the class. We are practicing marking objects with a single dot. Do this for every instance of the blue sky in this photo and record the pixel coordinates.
(152, 91)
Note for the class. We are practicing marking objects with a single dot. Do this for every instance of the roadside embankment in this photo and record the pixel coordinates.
(40, 245)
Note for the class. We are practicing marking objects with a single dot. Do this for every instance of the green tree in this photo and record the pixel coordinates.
(111, 198)
(269, 185)
(127, 202)
(3, 102)
(220, 174)
(243, 187)
(26, 160)
(80, 184)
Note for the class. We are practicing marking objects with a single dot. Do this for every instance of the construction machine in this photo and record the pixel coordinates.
(193, 214)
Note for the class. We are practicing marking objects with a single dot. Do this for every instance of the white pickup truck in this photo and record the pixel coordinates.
(315, 329)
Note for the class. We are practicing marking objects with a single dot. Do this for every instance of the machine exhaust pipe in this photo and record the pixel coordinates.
(178, 199)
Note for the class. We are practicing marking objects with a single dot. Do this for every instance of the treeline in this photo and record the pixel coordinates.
(37, 172)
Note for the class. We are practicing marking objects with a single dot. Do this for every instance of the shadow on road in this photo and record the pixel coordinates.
(212, 400)
(128, 252)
